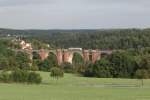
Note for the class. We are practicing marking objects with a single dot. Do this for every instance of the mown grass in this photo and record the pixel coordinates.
(73, 87)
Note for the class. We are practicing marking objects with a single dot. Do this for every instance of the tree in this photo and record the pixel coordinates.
(35, 61)
(44, 65)
(89, 70)
(56, 73)
(20, 76)
(102, 68)
(23, 60)
(67, 67)
(122, 64)
(141, 74)
(143, 69)
(52, 59)
(78, 62)
(77, 59)
(4, 64)
(35, 56)
(34, 78)
(145, 62)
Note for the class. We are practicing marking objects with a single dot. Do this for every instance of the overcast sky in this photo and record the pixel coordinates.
(74, 14)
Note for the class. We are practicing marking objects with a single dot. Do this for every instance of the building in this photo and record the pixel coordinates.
(25, 45)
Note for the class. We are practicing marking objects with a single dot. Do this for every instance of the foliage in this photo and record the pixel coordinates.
(44, 65)
(93, 39)
(34, 78)
(77, 59)
(52, 60)
(89, 71)
(34, 67)
(122, 64)
(142, 74)
(37, 44)
(23, 60)
(48, 63)
(67, 67)
(56, 72)
(3, 63)
(20, 76)
(5, 77)
(117, 65)
(102, 68)
(35, 56)
(78, 63)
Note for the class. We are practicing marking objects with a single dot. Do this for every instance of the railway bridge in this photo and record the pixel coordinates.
(66, 55)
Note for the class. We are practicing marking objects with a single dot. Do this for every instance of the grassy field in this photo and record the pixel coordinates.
(73, 87)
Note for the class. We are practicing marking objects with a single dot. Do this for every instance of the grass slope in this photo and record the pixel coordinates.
(77, 88)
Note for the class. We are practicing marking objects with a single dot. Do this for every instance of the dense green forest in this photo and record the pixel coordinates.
(88, 39)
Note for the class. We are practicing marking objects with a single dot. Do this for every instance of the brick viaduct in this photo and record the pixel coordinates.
(66, 55)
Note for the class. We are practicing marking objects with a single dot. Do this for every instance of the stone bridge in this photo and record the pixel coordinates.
(66, 55)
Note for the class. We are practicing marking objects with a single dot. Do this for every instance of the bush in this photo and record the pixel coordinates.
(141, 74)
(89, 71)
(67, 67)
(34, 68)
(34, 78)
(56, 72)
(19, 76)
(5, 77)
(44, 65)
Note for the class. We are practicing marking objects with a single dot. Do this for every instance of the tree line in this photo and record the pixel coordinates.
(87, 39)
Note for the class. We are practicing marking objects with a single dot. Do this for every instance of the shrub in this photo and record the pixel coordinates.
(34, 78)
(89, 71)
(67, 67)
(141, 74)
(56, 72)
(19, 76)
(34, 68)
(5, 77)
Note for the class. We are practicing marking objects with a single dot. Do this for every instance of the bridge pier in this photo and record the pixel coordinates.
(43, 54)
(86, 55)
(96, 55)
(66, 55)
(59, 56)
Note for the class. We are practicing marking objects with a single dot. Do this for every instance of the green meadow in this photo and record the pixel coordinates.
(73, 87)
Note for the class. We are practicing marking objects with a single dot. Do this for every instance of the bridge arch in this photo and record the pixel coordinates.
(69, 54)
(52, 57)
(77, 58)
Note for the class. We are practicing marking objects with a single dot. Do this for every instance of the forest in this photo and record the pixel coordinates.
(87, 39)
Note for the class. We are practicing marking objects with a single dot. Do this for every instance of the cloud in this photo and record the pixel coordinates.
(74, 13)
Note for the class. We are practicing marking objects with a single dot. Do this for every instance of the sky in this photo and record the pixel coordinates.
(74, 14)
